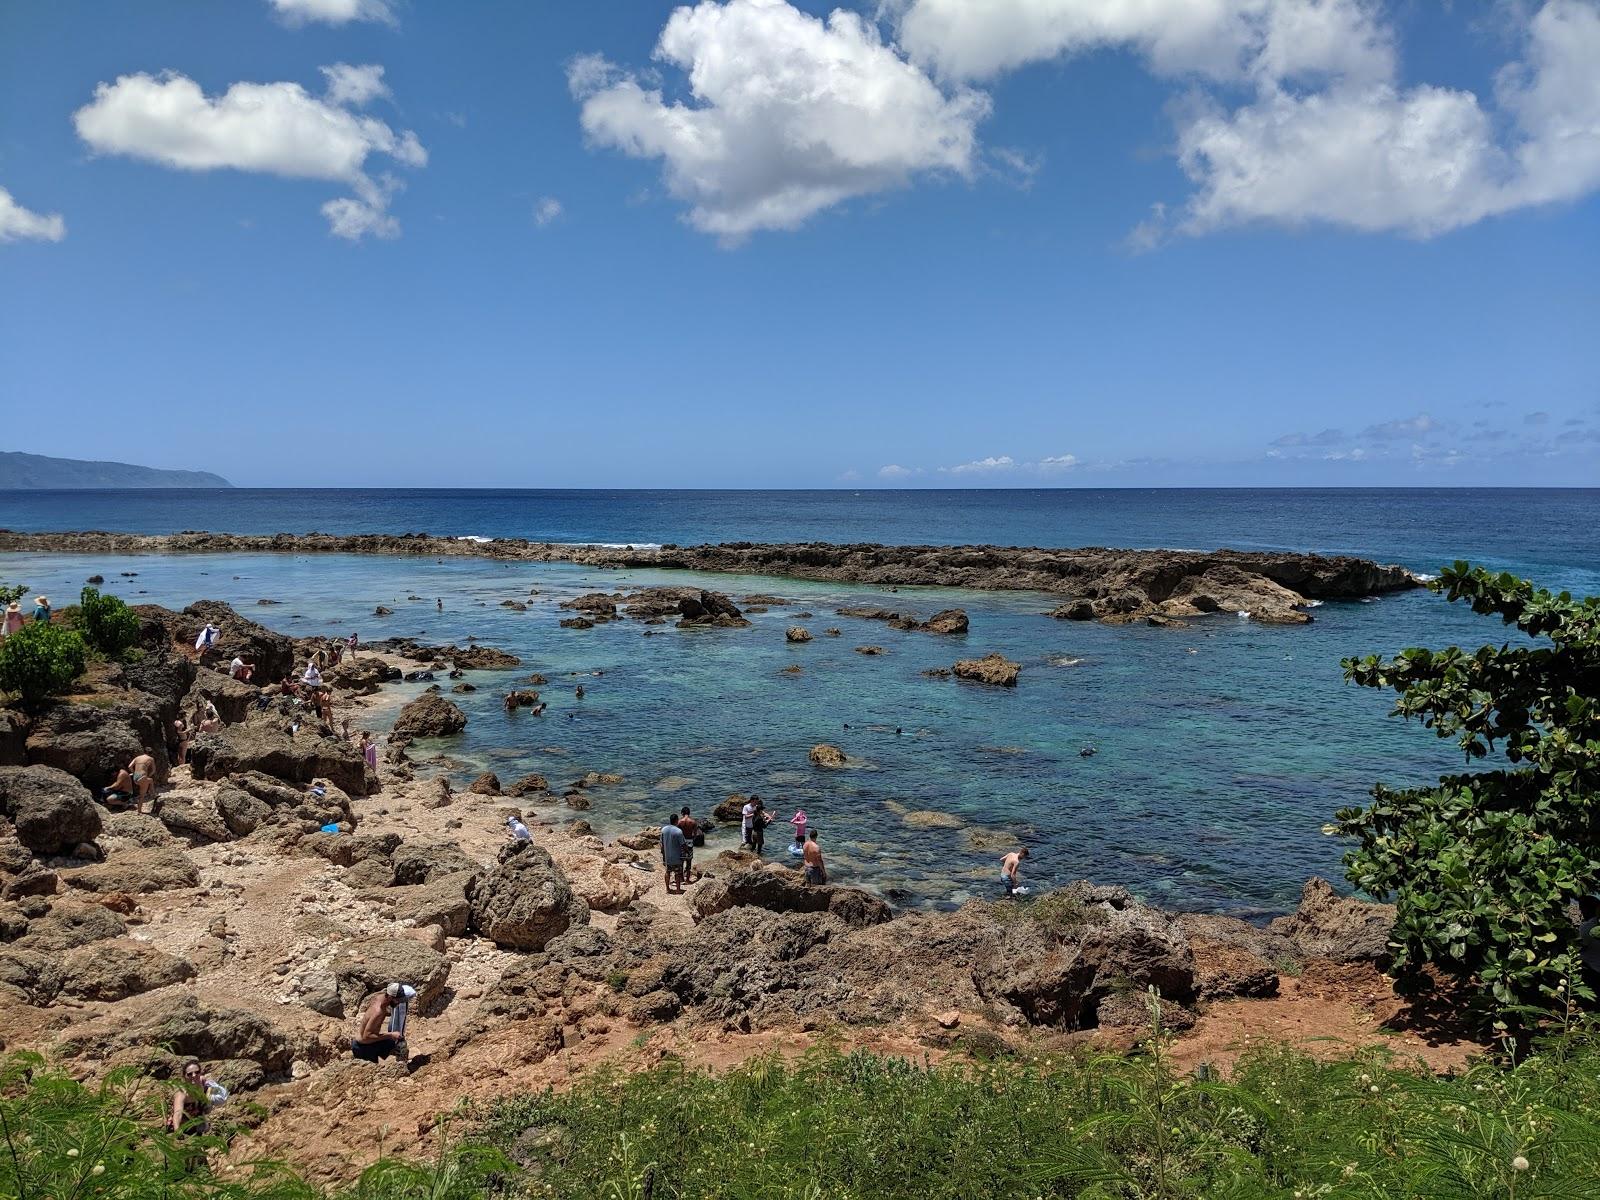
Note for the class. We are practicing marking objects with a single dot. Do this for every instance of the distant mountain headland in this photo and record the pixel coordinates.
(36, 472)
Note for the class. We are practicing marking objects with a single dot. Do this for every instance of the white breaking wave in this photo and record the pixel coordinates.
(472, 537)
(1312, 604)
(1425, 578)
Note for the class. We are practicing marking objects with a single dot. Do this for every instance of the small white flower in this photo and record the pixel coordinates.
(72, 1153)
(1519, 1163)
(1373, 1088)
(99, 1169)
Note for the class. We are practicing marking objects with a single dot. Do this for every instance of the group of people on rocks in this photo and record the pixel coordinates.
(14, 619)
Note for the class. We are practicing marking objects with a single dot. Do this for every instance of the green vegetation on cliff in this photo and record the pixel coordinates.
(855, 1125)
(1486, 868)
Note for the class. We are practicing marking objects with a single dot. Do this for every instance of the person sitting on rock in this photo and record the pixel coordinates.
(143, 769)
(672, 848)
(516, 830)
(374, 1040)
(1011, 869)
(816, 870)
(120, 793)
(312, 677)
(241, 670)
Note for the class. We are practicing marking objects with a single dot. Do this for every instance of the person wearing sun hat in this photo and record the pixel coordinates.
(13, 621)
(41, 610)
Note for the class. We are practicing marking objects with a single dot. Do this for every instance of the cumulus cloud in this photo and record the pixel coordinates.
(547, 210)
(354, 87)
(787, 115)
(983, 466)
(1058, 462)
(1224, 40)
(1331, 135)
(334, 12)
(21, 224)
(896, 471)
(270, 128)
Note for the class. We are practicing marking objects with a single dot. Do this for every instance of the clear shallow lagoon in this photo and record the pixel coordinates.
(1221, 748)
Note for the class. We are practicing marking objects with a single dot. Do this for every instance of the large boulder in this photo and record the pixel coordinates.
(272, 653)
(194, 817)
(136, 872)
(30, 976)
(1060, 961)
(778, 889)
(93, 740)
(68, 925)
(483, 658)
(234, 699)
(707, 608)
(161, 673)
(115, 970)
(949, 621)
(1341, 928)
(442, 901)
(52, 811)
(429, 716)
(421, 862)
(262, 746)
(178, 1023)
(526, 900)
(372, 964)
(363, 676)
(241, 812)
(993, 669)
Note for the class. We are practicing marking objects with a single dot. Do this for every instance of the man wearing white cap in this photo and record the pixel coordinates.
(380, 1036)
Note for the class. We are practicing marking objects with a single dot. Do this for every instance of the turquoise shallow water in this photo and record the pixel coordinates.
(1220, 748)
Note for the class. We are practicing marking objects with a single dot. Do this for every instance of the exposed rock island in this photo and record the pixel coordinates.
(1094, 583)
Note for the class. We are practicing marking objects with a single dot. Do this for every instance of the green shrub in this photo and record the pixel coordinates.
(1485, 866)
(40, 660)
(108, 623)
(11, 594)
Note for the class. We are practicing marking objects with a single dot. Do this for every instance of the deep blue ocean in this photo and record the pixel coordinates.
(1220, 749)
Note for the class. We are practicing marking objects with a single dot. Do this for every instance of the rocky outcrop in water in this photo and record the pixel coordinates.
(1095, 583)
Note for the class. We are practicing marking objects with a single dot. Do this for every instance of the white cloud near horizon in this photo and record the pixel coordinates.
(547, 210)
(334, 12)
(268, 128)
(22, 224)
(788, 115)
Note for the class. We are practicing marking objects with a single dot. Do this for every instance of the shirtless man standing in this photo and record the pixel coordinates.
(1010, 868)
(143, 770)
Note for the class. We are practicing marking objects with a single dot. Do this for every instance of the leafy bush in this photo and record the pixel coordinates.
(1485, 867)
(40, 660)
(12, 594)
(108, 623)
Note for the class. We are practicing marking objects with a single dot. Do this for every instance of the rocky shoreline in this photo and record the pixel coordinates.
(1094, 583)
(279, 880)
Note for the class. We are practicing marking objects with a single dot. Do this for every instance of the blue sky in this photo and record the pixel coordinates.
(937, 243)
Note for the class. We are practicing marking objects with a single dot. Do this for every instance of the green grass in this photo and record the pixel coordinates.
(834, 1125)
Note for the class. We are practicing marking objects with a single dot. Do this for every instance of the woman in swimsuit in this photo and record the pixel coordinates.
(190, 1104)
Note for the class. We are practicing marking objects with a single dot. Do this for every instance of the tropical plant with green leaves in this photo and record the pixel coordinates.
(12, 593)
(1485, 866)
(109, 625)
(41, 660)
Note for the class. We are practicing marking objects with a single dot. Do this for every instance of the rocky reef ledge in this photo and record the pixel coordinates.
(1094, 583)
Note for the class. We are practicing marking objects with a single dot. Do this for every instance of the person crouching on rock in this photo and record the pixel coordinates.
(120, 793)
(375, 1041)
(672, 847)
(191, 1103)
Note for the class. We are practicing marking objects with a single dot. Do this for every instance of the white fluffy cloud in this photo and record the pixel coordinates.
(895, 471)
(272, 128)
(788, 115)
(334, 12)
(1331, 136)
(20, 224)
(547, 210)
(1218, 39)
(983, 466)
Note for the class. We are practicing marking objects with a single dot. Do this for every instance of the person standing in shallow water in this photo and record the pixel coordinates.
(1011, 871)
(816, 871)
